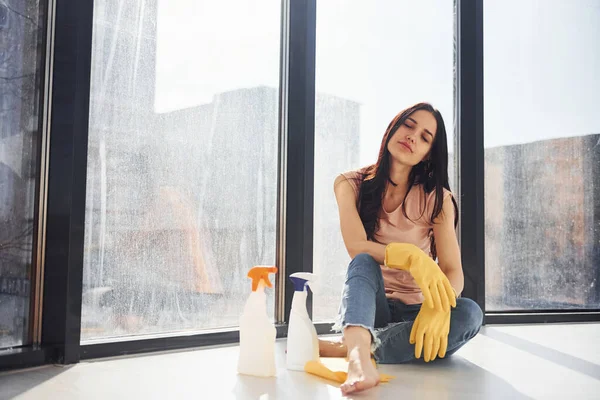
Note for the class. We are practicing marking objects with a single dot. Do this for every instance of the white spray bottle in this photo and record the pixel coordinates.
(257, 332)
(302, 341)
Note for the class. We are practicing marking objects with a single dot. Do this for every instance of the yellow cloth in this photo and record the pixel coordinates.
(430, 333)
(436, 288)
(334, 369)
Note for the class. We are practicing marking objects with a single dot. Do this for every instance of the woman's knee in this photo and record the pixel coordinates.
(362, 264)
(363, 260)
(468, 315)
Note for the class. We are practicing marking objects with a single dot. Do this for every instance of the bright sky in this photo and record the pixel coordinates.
(205, 47)
(542, 73)
(541, 61)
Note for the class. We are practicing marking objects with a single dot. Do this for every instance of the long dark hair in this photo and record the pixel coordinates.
(432, 174)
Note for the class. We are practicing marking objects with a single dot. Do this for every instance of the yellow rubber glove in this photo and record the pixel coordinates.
(334, 369)
(430, 333)
(435, 286)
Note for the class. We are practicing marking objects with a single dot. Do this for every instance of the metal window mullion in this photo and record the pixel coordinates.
(470, 149)
(66, 191)
(297, 105)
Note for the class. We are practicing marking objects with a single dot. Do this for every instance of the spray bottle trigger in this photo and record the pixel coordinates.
(261, 273)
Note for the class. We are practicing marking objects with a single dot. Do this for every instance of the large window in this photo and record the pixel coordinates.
(373, 59)
(21, 50)
(542, 154)
(182, 165)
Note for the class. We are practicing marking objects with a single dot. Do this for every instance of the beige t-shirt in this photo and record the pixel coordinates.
(395, 227)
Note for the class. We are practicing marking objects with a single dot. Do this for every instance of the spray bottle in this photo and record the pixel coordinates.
(257, 333)
(302, 341)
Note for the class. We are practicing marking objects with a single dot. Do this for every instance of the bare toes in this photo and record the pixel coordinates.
(348, 388)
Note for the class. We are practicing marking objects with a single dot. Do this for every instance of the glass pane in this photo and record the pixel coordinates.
(21, 41)
(182, 164)
(373, 60)
(542, 154)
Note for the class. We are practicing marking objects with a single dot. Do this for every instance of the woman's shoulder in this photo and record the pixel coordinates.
(445, 194)
(355, 174)
(354, 177)
(419, 202)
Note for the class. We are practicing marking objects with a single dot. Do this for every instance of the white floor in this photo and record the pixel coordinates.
(502, 362)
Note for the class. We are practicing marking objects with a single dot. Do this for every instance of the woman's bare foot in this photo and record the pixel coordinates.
(362, 374)
(332, 348)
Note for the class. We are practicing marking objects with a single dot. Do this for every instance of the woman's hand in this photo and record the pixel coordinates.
(436, 288)
(429, 333)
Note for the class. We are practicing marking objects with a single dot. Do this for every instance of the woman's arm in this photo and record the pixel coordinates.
(446, 243)
(353, 231)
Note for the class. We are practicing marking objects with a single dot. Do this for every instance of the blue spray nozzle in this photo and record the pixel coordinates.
(301, 280)
(299, 283)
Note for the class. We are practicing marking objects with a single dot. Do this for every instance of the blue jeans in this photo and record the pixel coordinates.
(390, 321)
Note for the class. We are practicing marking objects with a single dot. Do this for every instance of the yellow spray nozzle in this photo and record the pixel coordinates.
(261, 273)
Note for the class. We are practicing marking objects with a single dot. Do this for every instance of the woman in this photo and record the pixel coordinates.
(404, 198)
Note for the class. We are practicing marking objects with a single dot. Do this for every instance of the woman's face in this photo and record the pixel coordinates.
(412, 141)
